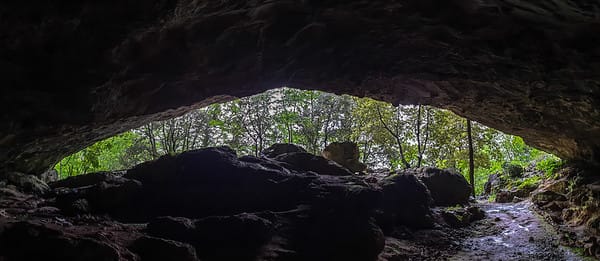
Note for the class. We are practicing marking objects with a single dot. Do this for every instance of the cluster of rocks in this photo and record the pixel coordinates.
(510, 185)
(210, 204)
(570, 200)
(462, 217)
(573, 202)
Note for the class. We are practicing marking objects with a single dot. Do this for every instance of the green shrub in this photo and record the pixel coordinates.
(549, 165)
(492, 198)
(513, 170)
(530, 183)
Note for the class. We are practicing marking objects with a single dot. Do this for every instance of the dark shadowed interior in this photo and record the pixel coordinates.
(75, 73)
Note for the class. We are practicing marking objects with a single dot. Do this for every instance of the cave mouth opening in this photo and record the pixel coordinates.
(388, 137)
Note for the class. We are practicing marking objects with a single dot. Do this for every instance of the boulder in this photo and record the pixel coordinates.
(49, 176)
(447, 188)
(280, 148)
(542, 198)
(237, 237)
(345, 154)
(303, 161)
(116, 197)
(462, 217)
(338, 238)
(456, 218)
(85, 180)
(158, 249)
(493, 184)
(215, 182)
(517, 194)
(27, 183)
(175, 228)
(195, 184)
(211, 192)
(504, 196)
(558, 186)
(406, 201)
(32, 241)
(476, 213)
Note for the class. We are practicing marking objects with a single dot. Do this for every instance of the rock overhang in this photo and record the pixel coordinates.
(79, 72)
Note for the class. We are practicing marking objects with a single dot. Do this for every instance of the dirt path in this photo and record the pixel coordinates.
(512, 231)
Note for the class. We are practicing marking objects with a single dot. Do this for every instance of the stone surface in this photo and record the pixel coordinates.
(85, 180)
(49, 176)
(30, 241)
(158, 249)
(447, 188)
(280, 148)
(79, 72)
(345, 154)
(176, 228)
(27, 183)
(248, 208)
(544, 197)
(214, 181)
(406, 201)
(504, 196)
(493, 184)
(304, 161)
(461, 217)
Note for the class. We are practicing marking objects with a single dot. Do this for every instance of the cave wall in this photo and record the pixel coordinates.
(75, 72)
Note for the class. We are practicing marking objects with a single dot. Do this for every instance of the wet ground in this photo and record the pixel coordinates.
(512, 231)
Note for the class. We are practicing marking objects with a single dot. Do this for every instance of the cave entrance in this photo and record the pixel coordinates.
(388, 137)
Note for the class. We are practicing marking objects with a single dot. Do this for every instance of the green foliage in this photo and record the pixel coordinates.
(492, 198)
(549, 165)
(388, 136)
(107, 154)
(513, 170)
(530, 183)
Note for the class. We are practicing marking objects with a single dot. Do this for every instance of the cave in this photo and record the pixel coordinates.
(78, 72)
(72, 76)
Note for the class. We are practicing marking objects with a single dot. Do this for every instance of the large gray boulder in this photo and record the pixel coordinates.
(447, 187)
(345, 154)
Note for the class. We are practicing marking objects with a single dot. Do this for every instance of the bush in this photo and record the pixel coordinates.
(530, 183)
(549, 165)
(513, 170)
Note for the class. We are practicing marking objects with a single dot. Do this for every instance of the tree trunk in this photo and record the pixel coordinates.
(418, 130)
(471, 163)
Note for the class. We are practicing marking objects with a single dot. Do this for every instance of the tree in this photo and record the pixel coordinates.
(391, 120)
(471, 163)
(388, 136)
(256, 119)
(103, 155)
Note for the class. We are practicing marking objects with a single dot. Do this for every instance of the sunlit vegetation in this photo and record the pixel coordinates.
(389, 137)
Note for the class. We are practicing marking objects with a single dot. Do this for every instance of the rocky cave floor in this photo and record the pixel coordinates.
(211, 205)
(510, 231)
